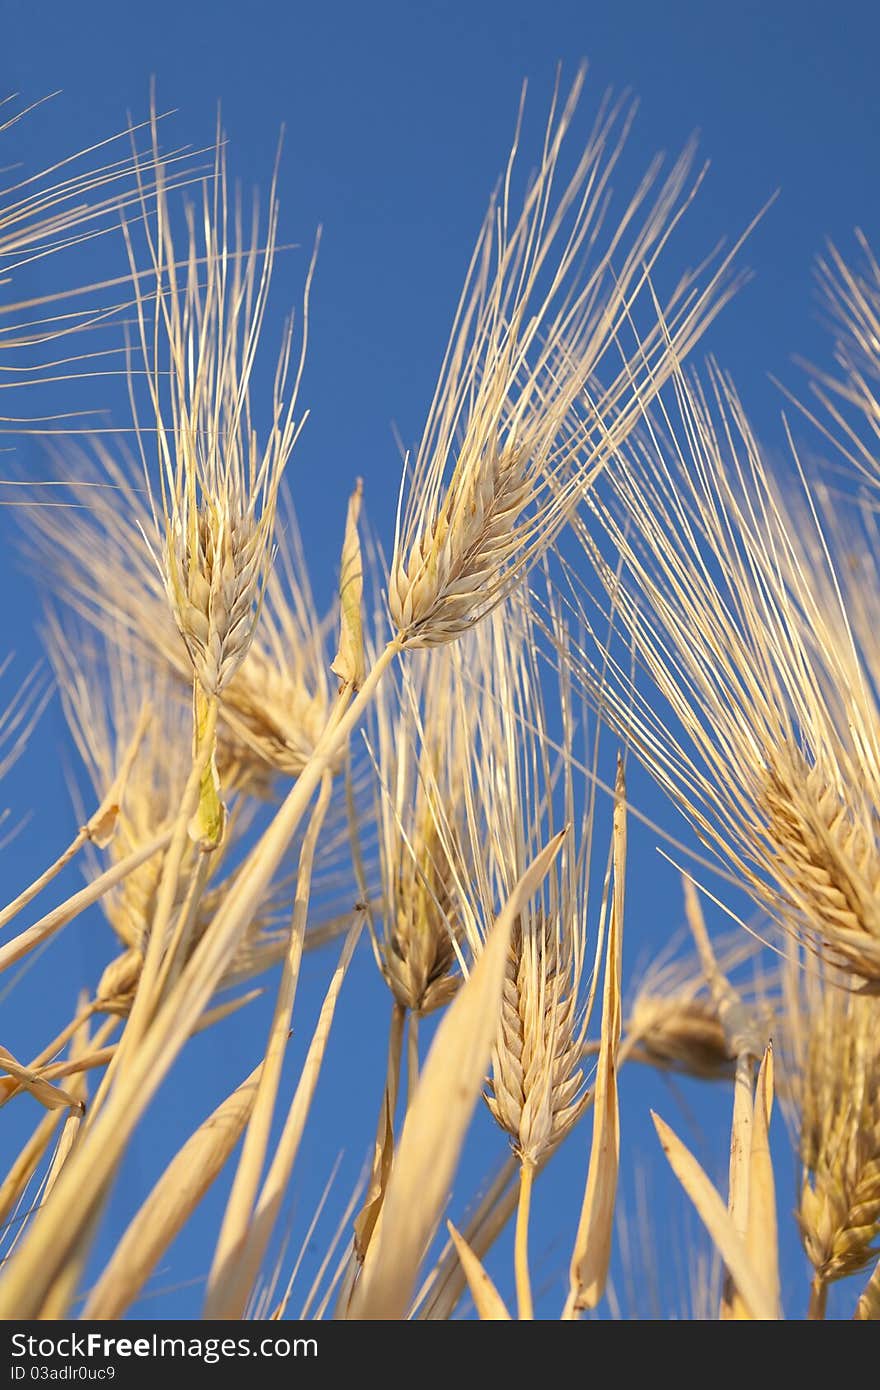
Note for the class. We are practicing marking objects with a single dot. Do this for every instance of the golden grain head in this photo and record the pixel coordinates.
(519, 428)
(537, 1089)
(674, 1022)
(833, 1086)
(825, 840)
(421, 754)
(95, 558)
(418, 956)
(510, 787)
(199, 318)
(215, 572)
(683, 1035)
(278, 701)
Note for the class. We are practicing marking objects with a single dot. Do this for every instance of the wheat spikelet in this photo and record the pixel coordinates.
(422, 754)
(198, 329)
(832, 865)
(679, 1034)
(537, 1088)
(673, 1022)
(419, 957)
(505, 453)
(833, 1085)
(278, 702)
(97, 563)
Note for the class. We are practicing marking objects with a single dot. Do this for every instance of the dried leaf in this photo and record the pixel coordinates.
(53, 1097)
(592, 1250)
(349, 663)
(365, 1222)
(101, 827)
(174, 1197)
(715, 1217)
(487, 1300)
(439, 1116)
(761, 1237)
(209, 822)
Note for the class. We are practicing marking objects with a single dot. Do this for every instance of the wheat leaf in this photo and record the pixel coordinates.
(348, 663)
(715, 1217)
(175, 1196)
(592, 1250)
(761, 1235)
(487, 1300)
(439, 1116)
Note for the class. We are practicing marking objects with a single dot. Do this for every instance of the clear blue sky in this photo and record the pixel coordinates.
(398, 119)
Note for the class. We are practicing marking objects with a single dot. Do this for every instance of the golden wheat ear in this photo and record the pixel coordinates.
(199, 319)
(509, 446)
(832, 1083)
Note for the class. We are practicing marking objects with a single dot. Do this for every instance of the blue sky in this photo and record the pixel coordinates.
(398, 118)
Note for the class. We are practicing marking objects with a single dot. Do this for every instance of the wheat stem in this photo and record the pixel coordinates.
(367, 1219)
(245, 1187)
(144, 1001)
(107, 810)
(395, 1053)
(818, 1298)
(58, 1229)
(26, 1163)
(78, 902)
(521, 1244)
(412, 1058)
(738, 1180)
(42, 880)
(178, 947)
(239, 1278)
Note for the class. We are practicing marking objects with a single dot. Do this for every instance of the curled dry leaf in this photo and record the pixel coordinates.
(349, 664)
(715, 1217)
